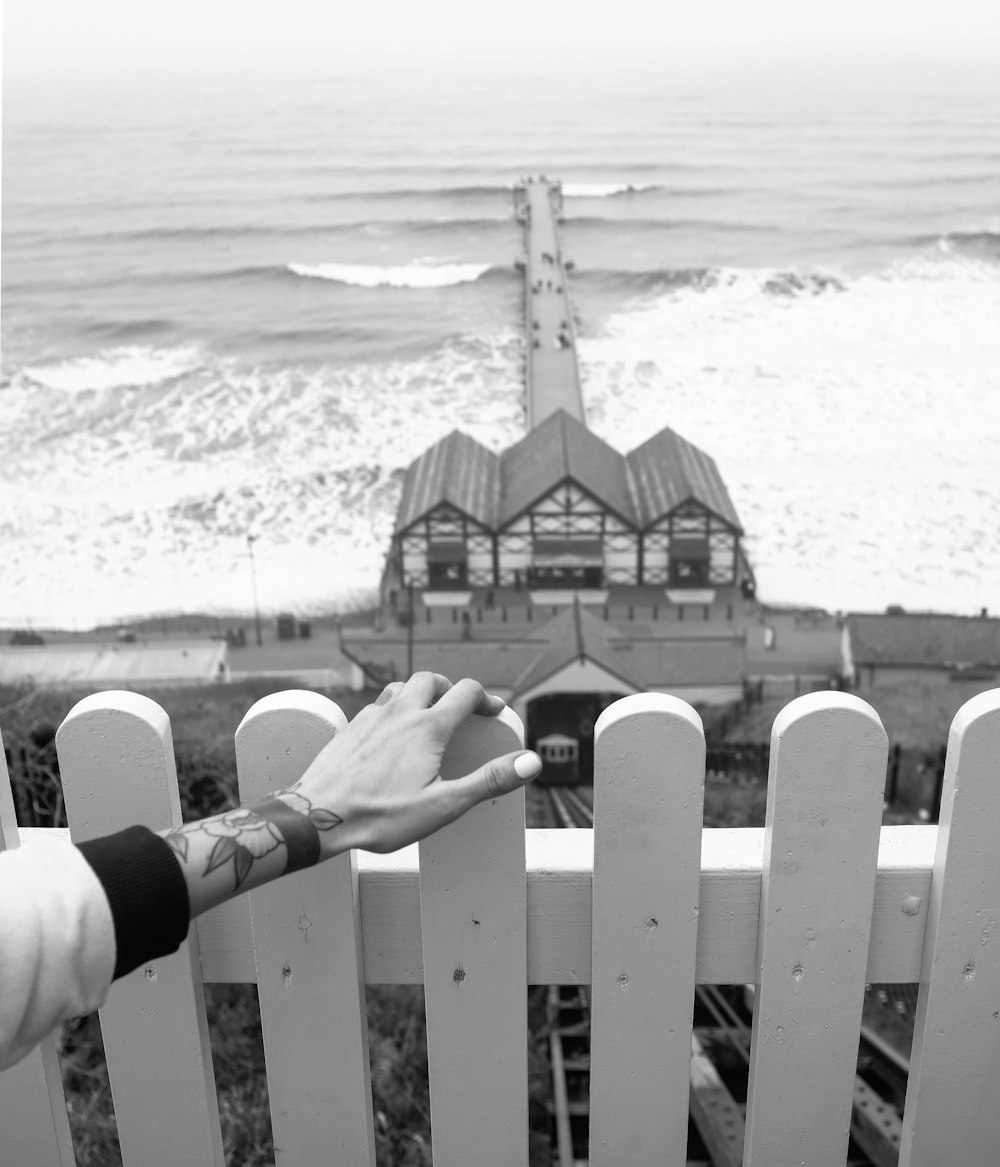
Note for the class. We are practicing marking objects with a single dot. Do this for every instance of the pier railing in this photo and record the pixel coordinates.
(642, 908)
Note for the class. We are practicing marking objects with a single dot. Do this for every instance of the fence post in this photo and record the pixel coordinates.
(649, 785)
(34, 1127)
(116, 758)
(307, 950)
(951, 1113)
(821, 837)
(473, 911)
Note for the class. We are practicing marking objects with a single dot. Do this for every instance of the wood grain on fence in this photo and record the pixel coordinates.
(649, 782)
(821, 835)
(309, 965)
(952, 1112)
(116, 758)
(474, 924)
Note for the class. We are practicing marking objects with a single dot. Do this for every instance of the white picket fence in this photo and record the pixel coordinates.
(809, 909)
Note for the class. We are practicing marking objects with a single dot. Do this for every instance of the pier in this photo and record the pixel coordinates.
(552, 372)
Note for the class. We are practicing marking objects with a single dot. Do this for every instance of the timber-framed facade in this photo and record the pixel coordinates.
(562, 509)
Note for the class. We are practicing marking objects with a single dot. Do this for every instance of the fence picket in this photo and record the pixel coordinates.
(34, 1127)
(117, 764)
(310, 970)
(952, 1113)
(474, 921)
(649, 783)
(821, 836)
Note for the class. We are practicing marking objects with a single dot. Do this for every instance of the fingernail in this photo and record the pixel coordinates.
(527, 765)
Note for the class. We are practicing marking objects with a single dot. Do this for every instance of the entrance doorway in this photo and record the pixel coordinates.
(563, 724)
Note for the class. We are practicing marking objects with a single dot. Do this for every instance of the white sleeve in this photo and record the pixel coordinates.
(57, 942)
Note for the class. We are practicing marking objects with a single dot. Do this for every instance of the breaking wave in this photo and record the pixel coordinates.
(414, 275)
(125, 367)
(604, 190)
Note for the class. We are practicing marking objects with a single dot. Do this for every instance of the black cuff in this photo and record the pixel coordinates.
(147, 893)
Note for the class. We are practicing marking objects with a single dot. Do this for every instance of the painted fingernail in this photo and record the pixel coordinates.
(527, 765)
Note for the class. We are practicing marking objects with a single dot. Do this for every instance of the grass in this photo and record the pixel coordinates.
(916, 714)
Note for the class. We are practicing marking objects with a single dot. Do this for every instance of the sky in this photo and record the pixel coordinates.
(41, 36)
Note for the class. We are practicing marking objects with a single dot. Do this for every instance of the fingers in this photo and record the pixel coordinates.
(462, 700)
(496, 778)
(424, 689)
(393, 689)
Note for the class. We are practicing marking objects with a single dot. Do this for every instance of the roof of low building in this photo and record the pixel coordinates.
(167, 661)
(667, 470)
(458, 470)
(924, 640)
(574, 633)
(559, 448)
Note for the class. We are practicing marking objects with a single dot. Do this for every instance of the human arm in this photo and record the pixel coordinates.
(108, 906)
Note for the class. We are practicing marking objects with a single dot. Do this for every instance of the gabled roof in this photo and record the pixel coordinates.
(457, 470)
(924, 639)
(573, 635)
(666, 470)
(560, 448)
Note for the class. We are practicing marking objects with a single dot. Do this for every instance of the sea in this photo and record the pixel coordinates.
(241, 304)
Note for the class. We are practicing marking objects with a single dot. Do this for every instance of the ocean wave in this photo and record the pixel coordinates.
(125, 367)
(414, 275)
(604, 190)
(977, 242)
(473, 191)
(769, 281)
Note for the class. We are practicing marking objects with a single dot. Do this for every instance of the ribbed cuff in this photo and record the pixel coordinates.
(147, 893)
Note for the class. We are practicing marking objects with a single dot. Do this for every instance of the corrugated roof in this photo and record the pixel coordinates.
(109, 664)
(667, 469)
(924, 640)
(492, 663)
(560, 448)
(458, 470)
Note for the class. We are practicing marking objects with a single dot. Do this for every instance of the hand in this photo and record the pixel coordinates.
(380, 777)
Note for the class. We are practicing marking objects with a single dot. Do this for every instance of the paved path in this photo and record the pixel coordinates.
(552, 372)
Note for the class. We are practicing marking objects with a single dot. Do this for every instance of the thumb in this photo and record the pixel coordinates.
(498, 776)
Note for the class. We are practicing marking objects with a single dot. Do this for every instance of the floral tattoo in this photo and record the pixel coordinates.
(249, 833)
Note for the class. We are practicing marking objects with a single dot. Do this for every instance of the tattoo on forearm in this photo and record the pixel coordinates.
(251, 832)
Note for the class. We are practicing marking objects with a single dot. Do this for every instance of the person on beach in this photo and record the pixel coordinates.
(77, 918)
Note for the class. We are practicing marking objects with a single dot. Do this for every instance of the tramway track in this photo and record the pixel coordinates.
(718, 1078)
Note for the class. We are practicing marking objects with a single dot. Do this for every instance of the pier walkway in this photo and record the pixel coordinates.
(552, 372)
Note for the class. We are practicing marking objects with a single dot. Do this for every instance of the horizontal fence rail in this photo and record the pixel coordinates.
(643, 907)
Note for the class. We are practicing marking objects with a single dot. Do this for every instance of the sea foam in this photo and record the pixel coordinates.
(414, 275)
(853, 422)
(603, 190)
(115, 368)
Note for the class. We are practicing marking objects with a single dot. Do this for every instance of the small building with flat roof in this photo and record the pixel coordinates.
(919, 646)
(146, 665)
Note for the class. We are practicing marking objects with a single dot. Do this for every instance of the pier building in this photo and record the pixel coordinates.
(563, 509)
(561, 572)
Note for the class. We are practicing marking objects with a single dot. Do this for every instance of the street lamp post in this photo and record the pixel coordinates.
(409, 629)
(253, 578)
